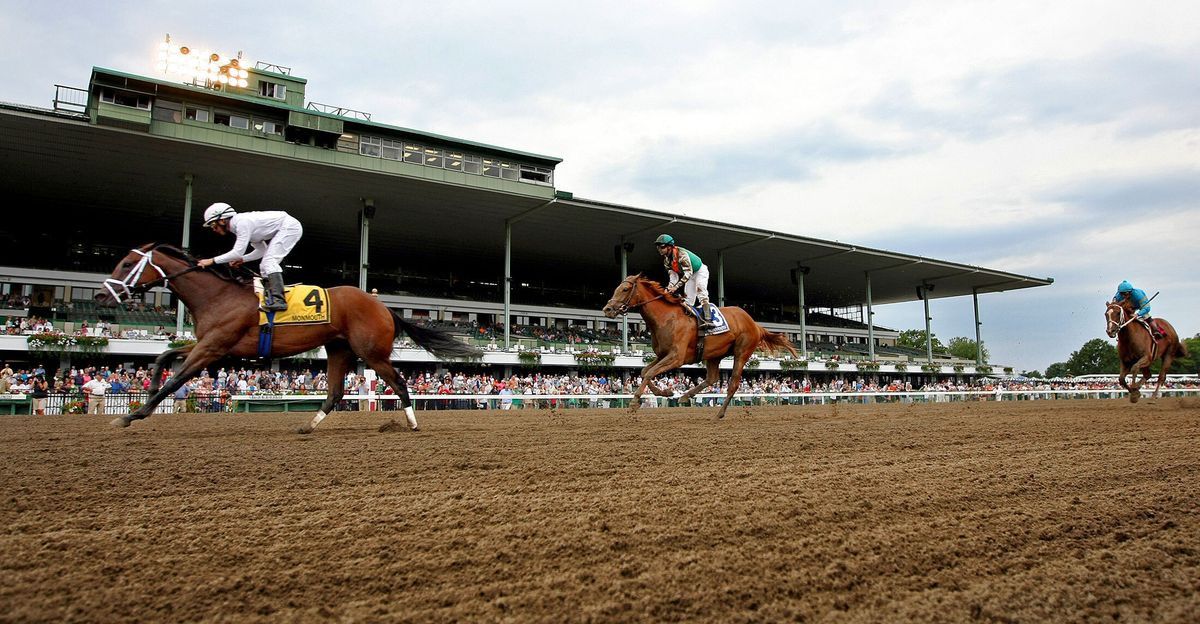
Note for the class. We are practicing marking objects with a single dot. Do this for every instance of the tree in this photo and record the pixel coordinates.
(1096, 356)
(1191, 363)
(1058, 369)
(966, 348)
(915, 339)
(1033, 374)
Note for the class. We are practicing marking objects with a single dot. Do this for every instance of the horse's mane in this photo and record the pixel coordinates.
(239, 275)
(658, 289)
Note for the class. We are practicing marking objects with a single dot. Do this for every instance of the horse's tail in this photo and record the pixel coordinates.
(435, 341)
(774, 342)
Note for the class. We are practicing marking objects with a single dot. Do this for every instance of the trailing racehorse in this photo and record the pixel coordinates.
(1137, 348)
(225, 309)
(673, 335)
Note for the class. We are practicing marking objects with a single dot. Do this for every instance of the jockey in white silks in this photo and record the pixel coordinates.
(272, 233)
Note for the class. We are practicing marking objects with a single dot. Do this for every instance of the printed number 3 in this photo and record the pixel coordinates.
(313, 300)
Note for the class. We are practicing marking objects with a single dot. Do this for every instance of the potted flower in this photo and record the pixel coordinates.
(901, 366)
(831, 364)
(529, 359)
(649, 357)
(791, 363)
(134, 405)
(592, 359)
(984, 369)
(868, 366)
(931, 368)
(753, 362)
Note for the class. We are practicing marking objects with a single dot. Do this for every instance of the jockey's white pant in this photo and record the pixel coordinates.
(280, 246)
(695, 288)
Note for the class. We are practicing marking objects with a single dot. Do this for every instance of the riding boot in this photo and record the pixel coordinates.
(273, 300)
(1155, 330)
(706, 315)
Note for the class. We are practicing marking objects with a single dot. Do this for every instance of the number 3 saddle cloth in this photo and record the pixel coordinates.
(307, 305)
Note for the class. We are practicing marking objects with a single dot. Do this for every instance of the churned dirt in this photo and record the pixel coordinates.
(1048, 511)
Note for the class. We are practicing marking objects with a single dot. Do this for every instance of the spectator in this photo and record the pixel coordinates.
(94, 389)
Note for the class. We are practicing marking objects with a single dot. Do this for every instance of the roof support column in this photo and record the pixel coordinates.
(187, 240)
(978, 324)
(925, 288)
(368, 213)
(801, 271)
(870, 321)
(625, 247)
(507, 283)
(720, 279)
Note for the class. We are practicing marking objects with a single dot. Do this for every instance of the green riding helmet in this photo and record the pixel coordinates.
(664, 239)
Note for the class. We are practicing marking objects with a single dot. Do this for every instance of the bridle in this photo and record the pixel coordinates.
(1116, 325)
(122, 289)
(625, 306)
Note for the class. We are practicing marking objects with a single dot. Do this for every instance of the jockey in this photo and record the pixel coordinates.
(1137, 298)
(687, 273)
(272, 233)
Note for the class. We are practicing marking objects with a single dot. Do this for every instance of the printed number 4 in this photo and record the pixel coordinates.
(313, 300)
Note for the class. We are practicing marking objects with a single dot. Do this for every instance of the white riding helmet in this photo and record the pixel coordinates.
(216, 212)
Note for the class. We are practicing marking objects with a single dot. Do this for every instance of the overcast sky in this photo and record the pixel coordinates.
(1056, 139)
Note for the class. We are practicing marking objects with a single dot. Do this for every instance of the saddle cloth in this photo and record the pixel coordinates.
(720, 325)
(307, 305)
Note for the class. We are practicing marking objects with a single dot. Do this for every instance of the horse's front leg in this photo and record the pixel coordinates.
(198, 358)
(1135, 385)
(652, 370)
(164, 360)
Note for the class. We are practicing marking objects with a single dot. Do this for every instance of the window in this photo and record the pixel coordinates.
(125, 98)
(231, 120)
(268, 127)
(393, 150)
(491, 168)
(414, 153)
(433, 157)
(454, 160)
(272, 90)
(471, 164)
(508, 171)
(536, 175)
(369, 146)
(166, 110)
(197, 114)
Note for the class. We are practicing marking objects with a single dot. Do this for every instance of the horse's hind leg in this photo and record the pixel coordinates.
(165, 359)
(1167, 360)
(396, 381)
(713, 376)
(340, 359)
(735, 380)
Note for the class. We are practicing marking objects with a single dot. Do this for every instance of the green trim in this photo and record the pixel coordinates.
(258, 101)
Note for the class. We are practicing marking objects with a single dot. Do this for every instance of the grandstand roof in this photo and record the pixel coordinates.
(78, 169)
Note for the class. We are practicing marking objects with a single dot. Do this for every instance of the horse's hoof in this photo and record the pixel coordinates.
(120, 423)
(1134, 395)
(304, 430)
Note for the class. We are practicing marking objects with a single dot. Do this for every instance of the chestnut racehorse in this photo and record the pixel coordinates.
(225, 309)
(673, 337)
(1137, 349)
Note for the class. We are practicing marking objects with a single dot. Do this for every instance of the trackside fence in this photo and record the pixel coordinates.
(123, 403)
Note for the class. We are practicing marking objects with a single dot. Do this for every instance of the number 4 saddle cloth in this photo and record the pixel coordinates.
(307, 305)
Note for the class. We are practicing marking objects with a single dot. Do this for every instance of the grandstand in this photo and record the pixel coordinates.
(446, 230)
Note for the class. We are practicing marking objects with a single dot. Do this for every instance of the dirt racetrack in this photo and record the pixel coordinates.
(1049, 511)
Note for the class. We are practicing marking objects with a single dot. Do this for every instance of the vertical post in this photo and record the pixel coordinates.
(624, 317)
(507, 283)
(187, 241)
(800, 271)
(368, 213)
(928, 333)
(720, 279)
(978, 340)
(870, 322)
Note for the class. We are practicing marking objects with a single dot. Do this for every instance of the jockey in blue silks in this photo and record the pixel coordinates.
(1140, 302)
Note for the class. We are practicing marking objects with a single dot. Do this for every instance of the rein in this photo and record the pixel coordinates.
(624, 307)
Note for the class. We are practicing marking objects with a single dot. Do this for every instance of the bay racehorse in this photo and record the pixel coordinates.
(225, 309)
(1137, 348)
(673, 335)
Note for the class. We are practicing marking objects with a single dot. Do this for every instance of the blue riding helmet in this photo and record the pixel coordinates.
(1125, 287)
(664, 239)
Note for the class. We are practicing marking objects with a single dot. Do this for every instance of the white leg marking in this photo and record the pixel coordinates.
(317, 419)
(411, 416)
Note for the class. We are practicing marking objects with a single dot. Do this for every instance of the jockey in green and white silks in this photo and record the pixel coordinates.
(1140, 302)
(687, 273)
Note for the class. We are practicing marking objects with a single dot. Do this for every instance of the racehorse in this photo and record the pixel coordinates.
(673, 335)
(1137, 349)
(225, 309)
